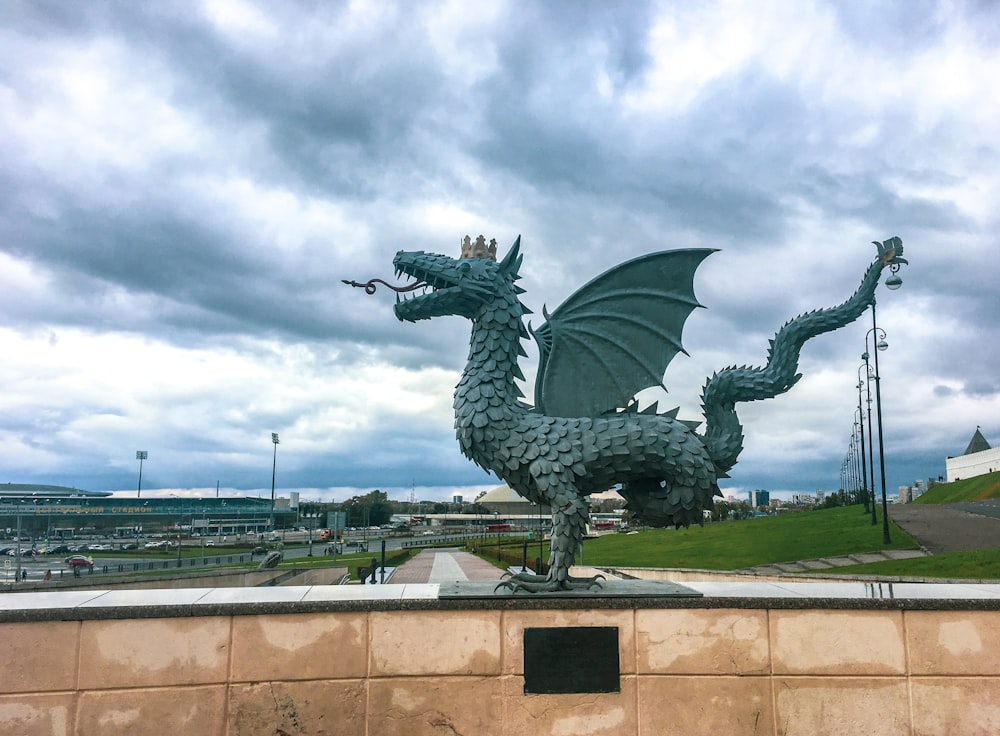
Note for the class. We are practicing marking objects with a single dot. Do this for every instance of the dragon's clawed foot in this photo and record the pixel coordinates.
(530, 583)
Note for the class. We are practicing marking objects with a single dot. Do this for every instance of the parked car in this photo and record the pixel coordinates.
(258, 551)
(79, 561)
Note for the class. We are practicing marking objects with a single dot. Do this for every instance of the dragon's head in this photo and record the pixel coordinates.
(455, 286)
(890, 252)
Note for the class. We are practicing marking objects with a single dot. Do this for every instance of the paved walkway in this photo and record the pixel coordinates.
(950, 527)
(444, 566)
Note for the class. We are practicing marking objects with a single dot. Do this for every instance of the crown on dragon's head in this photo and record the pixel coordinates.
(479, 249)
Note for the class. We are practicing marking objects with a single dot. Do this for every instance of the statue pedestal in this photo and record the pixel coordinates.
(607, 589)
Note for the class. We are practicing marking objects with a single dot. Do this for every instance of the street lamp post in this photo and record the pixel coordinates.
(274, 469)
(17, 547)
(867, 468)
(859, 468)
(880, 346)
(140, 455)
(856, 464)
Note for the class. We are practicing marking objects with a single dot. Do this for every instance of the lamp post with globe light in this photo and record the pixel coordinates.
(893, 282)
(890, 252)
(880, 346)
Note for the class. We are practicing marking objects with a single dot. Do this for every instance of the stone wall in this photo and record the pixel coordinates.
(399, 660)
(964, 467)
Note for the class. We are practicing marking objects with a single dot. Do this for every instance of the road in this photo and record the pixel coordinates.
(297, 547)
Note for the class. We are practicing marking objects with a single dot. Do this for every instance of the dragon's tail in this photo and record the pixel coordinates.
(723, 433)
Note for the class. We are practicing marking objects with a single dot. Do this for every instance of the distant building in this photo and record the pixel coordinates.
(760, 498)
(64, 513)
(907, 494)
(978, 459)
(504, 501)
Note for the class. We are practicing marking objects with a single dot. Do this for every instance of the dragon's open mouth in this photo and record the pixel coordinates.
(439, 285)
(425, 297)
(369, 285)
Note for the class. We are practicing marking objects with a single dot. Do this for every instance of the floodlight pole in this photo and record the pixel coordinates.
(274, 469)
(140, 455)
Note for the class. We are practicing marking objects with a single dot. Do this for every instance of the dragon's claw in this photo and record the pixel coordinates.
(530, 583)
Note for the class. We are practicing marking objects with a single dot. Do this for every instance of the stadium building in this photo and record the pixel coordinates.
(57, 512)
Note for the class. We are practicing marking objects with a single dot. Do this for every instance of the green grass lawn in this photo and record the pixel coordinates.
(972, 489)
(976, 565)
(732, 545)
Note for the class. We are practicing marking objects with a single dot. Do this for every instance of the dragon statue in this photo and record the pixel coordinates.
(608, 341)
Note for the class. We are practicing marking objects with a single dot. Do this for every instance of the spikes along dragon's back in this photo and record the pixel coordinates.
(611, 339)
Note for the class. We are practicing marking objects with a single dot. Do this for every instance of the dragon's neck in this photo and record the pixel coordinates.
(491, 370)
(487, 399)
(723, 432)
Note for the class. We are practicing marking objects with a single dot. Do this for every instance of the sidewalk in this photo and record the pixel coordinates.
(828, 563)
(444, 566)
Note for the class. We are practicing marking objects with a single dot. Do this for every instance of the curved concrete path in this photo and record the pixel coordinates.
(444, 566)
(950, 527)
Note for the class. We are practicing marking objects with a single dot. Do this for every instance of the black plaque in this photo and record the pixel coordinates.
(576, 659)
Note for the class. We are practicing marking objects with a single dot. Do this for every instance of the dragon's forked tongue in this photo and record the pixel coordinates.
(369, 286)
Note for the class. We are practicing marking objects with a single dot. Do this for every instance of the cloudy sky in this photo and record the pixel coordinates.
(184, 185)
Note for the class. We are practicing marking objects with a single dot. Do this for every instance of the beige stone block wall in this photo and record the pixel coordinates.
(838, 643)
(435, 643)
(311, 646)
(946, 643)
(39, 656)
(297, 707)
(366, 673)
(166, 710)
(839, 706)
(38, 715)
(594, 714)
(716, 706)
(165, 652)
(428, 706)
(702, 642)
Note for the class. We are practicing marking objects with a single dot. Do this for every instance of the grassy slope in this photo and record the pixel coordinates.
(732, 545)
(972, 489)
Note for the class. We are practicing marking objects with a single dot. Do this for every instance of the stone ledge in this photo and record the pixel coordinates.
(126, 604)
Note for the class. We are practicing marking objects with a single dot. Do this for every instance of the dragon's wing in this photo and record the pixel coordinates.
(615, 336)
